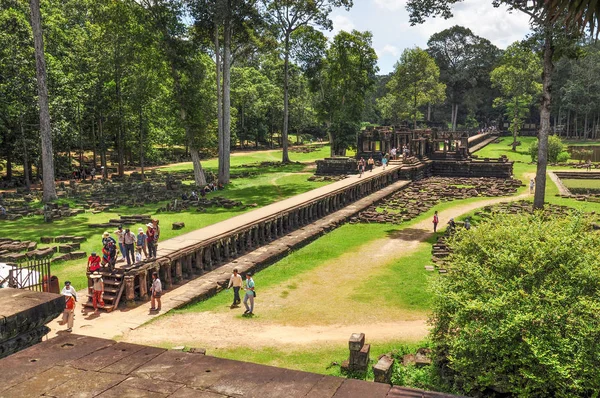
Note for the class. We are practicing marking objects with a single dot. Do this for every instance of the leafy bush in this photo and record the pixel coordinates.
(556, 150)
(519, 311)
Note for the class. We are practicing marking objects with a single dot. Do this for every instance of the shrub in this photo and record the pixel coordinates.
(555, 149)
(519, 311)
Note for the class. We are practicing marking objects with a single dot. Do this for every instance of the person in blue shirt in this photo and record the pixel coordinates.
(250, 294)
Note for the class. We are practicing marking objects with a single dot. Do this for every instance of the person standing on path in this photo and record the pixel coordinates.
(150, 239)
(236, 282)
(129, 242)
(532, 186)
(156, 291)
(370, 163)
(120, 239)
(384, 160)
(70, 295)
(250, 295)
(436, 221)
(97, 291)
(141, 243)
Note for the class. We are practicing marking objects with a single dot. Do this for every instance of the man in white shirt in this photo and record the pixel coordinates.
(236, 282)
(156, 291)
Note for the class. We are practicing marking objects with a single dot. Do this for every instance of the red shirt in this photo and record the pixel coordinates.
(94, 263)
(151, 234)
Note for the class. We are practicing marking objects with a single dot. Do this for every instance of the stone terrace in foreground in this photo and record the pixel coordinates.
(72, 365)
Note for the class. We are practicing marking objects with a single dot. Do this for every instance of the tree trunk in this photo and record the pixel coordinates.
(199, 177)
(568, 123)
(284, 133)
(429, 112)
(515, 126)
(120, 139)
(102, 148)
(224, 171)
(542, 163)
(9, 168)
(219, 101)
(26, 175)
(94, 143)
(142, 141)
(45, 129)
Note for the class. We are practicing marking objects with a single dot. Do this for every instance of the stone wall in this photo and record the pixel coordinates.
(337, 166)
(23, 316)
(497, 168)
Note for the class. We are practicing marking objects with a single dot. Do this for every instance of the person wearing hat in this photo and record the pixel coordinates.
(97, 290)
(250, 294)
(129, 243)
(93, 262)
(121, 239)
(70, 295)
(109, 251)
(141, 243)
(151, 240)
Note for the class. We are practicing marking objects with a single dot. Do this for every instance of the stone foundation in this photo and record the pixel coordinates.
(23, 314)
(497, 168)
(337, 166)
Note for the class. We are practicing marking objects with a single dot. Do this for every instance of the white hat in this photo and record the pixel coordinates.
(150, 225)
(95, 275)
(140, 229)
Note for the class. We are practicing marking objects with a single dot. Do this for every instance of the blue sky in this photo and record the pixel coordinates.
(392, 33)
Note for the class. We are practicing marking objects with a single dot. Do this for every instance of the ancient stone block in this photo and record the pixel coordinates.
(382, 370)
(356, 342)
(178, 225)
(46, 239)
(65, 249)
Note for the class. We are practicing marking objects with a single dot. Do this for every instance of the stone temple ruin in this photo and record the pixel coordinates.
(430, 152)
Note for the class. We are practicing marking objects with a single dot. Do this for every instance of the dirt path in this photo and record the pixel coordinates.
(298, 313)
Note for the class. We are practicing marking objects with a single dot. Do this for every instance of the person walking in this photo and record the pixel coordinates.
(93, 173)
(467, 224)
(141, 243)
(129, 242)
(150, 236)
(531, 186)
(384, 160)
(370, 164)
(361, 167)
(235, 281)
(97, 291)
(156, 291)
(120, 238)
(250, 295)
(70, 295)
(436, 221)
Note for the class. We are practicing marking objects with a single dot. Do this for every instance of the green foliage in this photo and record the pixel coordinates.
(557, 150)
(518, 313)
(415, 83)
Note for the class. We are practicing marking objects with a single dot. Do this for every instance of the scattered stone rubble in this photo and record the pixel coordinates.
(422, 195)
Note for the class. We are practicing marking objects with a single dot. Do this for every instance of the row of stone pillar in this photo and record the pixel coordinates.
(207, 256)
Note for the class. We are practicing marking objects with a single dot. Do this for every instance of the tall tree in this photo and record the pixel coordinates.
(49, 193)
(348, 74)
(414, 84)
(465, 61)
(518, 78)
(547, 16)
(288, 16)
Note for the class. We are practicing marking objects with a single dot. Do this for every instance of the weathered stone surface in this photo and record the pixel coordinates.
(23, 313)
(356, 341)
(178, 225)
(382, 370)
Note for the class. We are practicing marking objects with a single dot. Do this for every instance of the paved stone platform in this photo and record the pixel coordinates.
(79, 366)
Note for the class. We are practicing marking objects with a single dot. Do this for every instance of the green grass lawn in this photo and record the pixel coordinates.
(267, 185)
(581, 183)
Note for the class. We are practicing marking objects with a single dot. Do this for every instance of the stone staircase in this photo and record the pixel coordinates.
(113, 290)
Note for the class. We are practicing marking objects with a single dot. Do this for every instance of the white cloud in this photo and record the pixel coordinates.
(495, 24)
(390, 5)
(341, 22)
(388, 49)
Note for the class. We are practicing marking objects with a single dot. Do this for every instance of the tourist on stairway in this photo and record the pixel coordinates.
(141, 243)
(120, 238)
(129, 242)
(97, 291)
(93, 262)
(150, 240)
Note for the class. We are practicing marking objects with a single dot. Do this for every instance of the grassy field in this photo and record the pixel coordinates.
(265, 185)
(579, 183)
